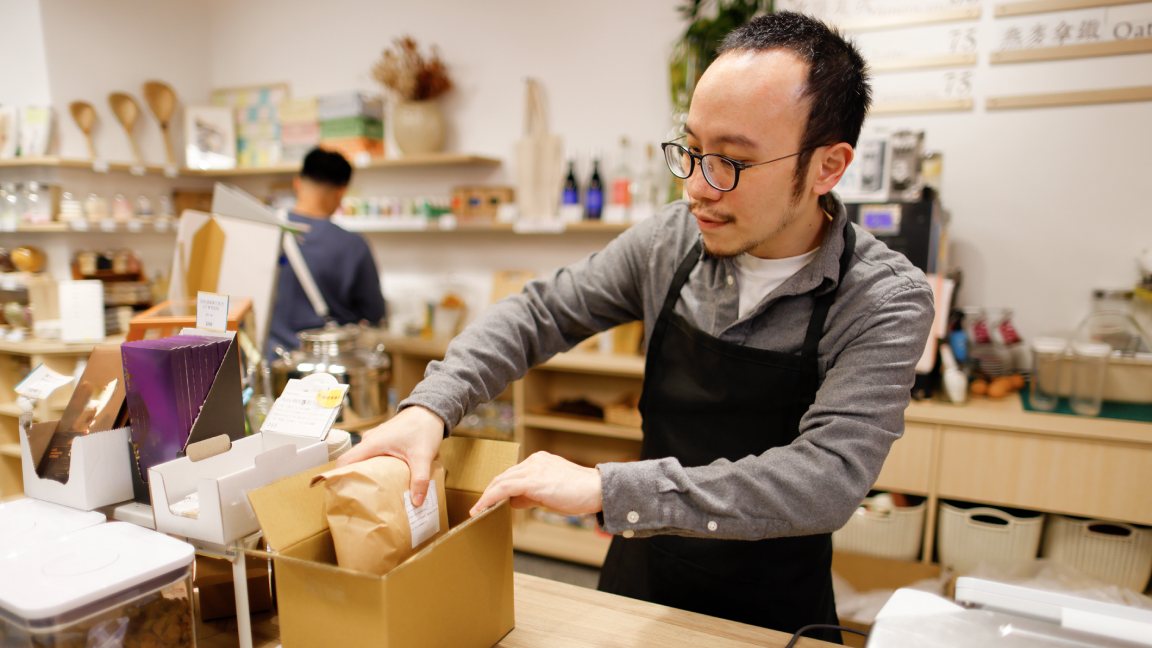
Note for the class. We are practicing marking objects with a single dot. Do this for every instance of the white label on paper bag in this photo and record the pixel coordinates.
(41, 382)
(211, 311)
(306, 408)
(424, 521)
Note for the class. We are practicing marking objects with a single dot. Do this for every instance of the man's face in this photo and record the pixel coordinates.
(749, 107)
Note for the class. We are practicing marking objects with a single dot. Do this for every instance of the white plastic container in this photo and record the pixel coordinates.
(1111, 551)
(966, 542)
(112, 584)
(28, 522)
(892, 534)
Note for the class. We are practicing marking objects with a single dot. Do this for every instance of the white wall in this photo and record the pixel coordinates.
(1046, 204)
(23, 66)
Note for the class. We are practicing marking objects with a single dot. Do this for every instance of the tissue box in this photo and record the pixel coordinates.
(466, 573)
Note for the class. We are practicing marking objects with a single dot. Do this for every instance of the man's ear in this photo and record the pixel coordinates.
(830, 167)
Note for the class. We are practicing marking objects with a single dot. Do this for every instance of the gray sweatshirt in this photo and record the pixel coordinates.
(875, 333)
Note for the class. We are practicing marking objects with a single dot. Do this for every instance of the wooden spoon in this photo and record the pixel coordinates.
(127, 111)
(84, 114)
(162, 100)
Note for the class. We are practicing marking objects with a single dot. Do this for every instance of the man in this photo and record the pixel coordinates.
(340, 261)
(781, 348)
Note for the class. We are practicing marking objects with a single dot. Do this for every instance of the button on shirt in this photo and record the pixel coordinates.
(875, 333)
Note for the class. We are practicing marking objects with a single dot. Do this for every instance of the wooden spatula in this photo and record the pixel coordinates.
(162, 101)
(84, 114)
(127, 111)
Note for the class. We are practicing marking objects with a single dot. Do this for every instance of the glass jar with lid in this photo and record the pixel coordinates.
(37, 204)
(9, 210)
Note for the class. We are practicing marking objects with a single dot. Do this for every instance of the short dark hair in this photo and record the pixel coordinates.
(838, 87)
(326, 167)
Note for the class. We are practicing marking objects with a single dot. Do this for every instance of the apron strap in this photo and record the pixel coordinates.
(824, 302)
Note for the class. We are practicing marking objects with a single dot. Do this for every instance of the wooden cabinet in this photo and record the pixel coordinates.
(990, 452)
(16, 360)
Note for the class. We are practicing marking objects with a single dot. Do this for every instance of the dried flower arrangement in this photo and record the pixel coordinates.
(411, 77)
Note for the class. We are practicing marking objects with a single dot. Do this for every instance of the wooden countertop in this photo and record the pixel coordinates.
(1008, 414)
(551, 614)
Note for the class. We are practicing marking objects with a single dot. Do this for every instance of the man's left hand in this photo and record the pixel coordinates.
(544, 479)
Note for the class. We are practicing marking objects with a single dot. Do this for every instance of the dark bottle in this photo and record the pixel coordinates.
(594, 197)
(571, 193)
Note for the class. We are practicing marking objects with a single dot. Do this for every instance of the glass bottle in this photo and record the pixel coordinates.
(262, 399)
(9, 214)
(622, 176)
(594, 196)
(571, 193)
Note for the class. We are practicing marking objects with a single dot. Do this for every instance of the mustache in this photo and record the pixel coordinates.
(699, 211)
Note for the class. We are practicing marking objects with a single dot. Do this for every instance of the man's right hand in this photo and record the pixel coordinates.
(413, 435)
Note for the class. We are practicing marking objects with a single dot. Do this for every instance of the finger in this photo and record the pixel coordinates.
(421, 473)
(496, 493)
(360, 452)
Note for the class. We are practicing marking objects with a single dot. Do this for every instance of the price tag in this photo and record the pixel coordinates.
(41, 382)
(99, 166)
(138, 169)
(171, 171)
(307, 407)
(211, 311)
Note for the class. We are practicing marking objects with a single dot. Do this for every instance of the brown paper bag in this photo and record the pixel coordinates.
(369, 513)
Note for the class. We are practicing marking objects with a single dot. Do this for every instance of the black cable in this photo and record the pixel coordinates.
(821, 626)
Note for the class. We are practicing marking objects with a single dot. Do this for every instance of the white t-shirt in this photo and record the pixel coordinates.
(758, 277)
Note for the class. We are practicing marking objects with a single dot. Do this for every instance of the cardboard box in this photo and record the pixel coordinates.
(216, 595)
(865, 573)
(350, 104)
(457, 591)
(223, 481)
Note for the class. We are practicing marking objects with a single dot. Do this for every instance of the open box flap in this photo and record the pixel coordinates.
(290, 510)
(473, 463)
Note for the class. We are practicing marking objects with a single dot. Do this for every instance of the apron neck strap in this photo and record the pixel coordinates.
(824, 302)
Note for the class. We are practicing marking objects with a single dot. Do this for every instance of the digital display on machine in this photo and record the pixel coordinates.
(880, 219)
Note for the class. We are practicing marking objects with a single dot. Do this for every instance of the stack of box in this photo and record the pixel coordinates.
(353, 124)
(299, 129)
(257, 122)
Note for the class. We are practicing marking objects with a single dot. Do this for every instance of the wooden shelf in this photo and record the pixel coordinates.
(1087, 50)
(60, 227)
(9, 409)
(917, 19)
(922, 106)
(628, 366)
(419, 161)
(10, 450)
(417, 225)
(422, 161)
(923, 62)
(561, 423)
(52, 347)
(1047, 6)
(583, 546)
(1062, 99)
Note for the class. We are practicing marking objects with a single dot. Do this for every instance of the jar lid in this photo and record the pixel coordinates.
(1049, 345)
(1092, 349)
(29, 522)
(106, 564)
(333, 334)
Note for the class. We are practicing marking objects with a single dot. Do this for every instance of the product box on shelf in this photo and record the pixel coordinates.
(350, 104)
(87, 465)
(112, 584)
(468, 570)
(220, 484)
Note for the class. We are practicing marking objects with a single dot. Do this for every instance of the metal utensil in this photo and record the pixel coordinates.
(84, 114)
(161, 100)
(127, 111)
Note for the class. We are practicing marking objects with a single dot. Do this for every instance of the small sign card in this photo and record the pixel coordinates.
(307, 407)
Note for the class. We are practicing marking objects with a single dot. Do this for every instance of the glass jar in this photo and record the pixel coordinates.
(95, 208)
(37, 204)
(9, 210)
(1111, 322)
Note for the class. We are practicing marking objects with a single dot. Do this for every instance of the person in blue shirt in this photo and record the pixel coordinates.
(341, 262)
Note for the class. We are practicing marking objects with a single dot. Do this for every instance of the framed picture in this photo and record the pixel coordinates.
(210, 137)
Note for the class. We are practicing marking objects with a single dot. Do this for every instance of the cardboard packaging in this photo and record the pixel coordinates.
(216, 594)
(99, 461)
(867, 573)
(350, 104)
(455, 592)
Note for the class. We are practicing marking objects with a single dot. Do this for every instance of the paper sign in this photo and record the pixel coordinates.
(307, 407)
(424, 521)
(41, 382)
(81, 310)
(211, 311)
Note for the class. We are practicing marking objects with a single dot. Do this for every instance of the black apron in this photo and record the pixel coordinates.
(705, 399)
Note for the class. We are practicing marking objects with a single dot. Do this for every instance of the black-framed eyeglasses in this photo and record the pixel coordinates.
(721, 172)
